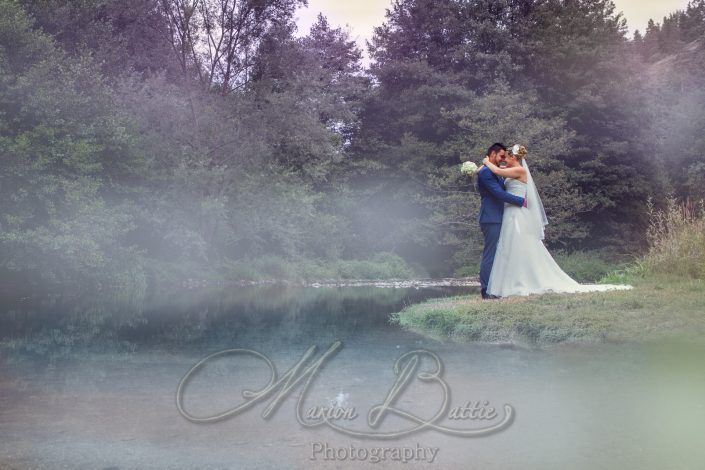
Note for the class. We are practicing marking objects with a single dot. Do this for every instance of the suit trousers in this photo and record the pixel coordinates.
(491, 234)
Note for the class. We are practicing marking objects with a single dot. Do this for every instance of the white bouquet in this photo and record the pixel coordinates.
(468, 168)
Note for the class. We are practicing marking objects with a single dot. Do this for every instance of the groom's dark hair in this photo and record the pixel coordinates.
(496, 147)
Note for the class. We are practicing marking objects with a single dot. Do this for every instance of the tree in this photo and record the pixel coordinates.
(67, 157)
(123, 36)
(215, 40)
(435, 62)
(478, 40)
(693, 22)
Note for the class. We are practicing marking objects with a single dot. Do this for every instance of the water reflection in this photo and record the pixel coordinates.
(56, 325)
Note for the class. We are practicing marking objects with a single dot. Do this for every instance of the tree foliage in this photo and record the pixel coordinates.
(142, 135)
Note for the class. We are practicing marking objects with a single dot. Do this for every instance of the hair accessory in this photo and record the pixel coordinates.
(519, 150)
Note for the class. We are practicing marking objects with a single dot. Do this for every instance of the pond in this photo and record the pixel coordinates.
(90, 381)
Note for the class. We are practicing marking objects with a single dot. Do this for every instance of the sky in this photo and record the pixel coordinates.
(361, 16)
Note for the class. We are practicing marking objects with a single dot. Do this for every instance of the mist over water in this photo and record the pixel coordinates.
(150, 182)
(100, 389)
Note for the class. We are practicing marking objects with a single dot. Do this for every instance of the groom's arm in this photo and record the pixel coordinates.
(487, 179)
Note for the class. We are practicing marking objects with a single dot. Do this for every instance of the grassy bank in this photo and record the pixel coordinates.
(657, 307)
(668, 299)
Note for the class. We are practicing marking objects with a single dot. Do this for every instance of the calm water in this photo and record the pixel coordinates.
(90, 382)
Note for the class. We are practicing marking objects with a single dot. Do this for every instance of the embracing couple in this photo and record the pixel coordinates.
(514, 259)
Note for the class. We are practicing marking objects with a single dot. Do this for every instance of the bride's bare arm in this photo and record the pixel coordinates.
(515, 172)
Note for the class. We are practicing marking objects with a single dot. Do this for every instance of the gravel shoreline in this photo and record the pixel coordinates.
(388, 283)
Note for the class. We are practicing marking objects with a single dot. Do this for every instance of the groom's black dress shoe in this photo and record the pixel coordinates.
(486, 296)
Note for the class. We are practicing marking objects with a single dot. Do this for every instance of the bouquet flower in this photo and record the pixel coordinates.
(468, 168)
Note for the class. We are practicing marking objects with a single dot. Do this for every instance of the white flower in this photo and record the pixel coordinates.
(468, 168)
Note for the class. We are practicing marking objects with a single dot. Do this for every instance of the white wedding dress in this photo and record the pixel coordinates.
(522, 264)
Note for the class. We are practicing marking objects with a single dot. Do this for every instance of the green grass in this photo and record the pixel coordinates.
(657, 307)
(668, 298)
(380, 266)
(588, 266)
(270, 267)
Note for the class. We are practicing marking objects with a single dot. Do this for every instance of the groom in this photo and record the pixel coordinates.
(493, 196)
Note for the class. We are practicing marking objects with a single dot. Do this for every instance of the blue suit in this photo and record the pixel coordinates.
(492, 197)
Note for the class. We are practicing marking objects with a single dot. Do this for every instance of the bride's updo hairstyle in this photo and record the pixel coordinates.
(518, 151)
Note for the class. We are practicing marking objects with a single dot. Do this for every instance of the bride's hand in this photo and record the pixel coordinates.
(485, 161)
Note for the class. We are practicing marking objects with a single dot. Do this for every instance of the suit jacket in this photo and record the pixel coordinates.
(493, 196)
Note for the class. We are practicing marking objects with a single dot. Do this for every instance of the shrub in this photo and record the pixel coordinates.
(586, 266)
(676, 237)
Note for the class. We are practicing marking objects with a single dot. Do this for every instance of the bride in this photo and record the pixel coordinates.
(522, 264)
